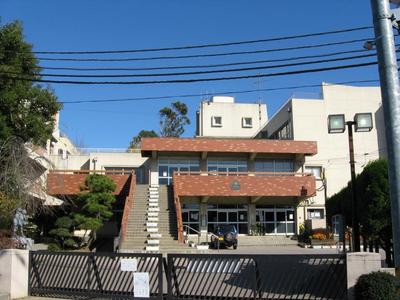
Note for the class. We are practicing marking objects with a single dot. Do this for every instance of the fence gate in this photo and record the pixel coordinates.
(204, 276)
(74, 274)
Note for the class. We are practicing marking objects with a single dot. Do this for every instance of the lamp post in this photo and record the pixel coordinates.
(362, 123)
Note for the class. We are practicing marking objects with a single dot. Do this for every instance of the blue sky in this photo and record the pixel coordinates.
(109, 25)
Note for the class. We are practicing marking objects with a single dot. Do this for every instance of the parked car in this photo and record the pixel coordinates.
(227, 236)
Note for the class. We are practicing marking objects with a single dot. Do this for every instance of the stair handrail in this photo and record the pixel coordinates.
(190, 228)
(199, 234)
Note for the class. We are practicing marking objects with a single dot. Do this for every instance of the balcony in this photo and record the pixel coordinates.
(253, 184)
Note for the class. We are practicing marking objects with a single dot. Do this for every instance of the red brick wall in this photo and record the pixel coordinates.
(228, 145)
(196, 185)
(70, 184)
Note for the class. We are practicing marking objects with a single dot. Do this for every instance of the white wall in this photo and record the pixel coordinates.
(309, 123)
(232, 114)
(125, 159)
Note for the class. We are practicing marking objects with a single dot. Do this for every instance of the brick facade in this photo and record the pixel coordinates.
(275, 186)
(227, 146)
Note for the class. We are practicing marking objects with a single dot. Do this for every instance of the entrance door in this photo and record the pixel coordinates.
(276, 221)
(233, 216)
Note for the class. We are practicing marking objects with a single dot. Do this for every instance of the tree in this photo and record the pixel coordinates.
(373, 205)
(173, 119)
(63, 234)
(26, 117)
(136, 140)
(94, 203)
(26, 109)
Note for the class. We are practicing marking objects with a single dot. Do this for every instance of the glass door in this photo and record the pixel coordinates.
(276, 221)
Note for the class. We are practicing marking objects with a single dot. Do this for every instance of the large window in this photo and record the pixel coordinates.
(228, 214)
(276, 220)
(274, 166)
(191, 218)
(167, 167)
(227, 167)
(284, 132)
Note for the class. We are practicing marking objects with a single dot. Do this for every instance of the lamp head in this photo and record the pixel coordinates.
(336, 124)
(363, 122)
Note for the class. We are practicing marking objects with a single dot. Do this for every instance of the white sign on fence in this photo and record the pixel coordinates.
(129, 264)
(141, 285)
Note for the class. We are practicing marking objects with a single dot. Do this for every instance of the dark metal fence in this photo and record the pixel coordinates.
(204, 276)
(73, 274)
(189, 276)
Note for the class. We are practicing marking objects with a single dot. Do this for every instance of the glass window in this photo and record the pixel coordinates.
(277, 220)
(163, 171)
(185, 217)
(227, 167)
(212, 216)
(216, 121)
(194, 216)
(242, 216)
(269, 216)
(280, 216)
(222, 217)
(232, 216)
(247, 122)
(315, 170)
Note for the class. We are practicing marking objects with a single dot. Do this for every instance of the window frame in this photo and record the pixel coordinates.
(245, 124)
(214, 122)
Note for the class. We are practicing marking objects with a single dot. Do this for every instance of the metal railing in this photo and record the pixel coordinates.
(189, 229)
(105, 172)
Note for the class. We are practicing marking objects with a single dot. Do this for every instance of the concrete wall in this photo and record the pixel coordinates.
(116, 159)
(14, 266)
(357, 264)
(70, 162)
(232, 114)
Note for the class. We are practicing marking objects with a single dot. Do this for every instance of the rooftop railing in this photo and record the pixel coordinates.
(106, 172)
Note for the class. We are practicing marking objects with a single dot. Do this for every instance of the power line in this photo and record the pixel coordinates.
(290, 37)
(192, 80)
(205, 55)
(198, 72)
(221, 93)
(206, 66)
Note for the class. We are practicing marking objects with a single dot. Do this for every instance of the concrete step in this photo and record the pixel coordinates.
(152, 214)
(152, 209)
(152, 248)
(153, 242)
(153, 204)
(155, 235)
(152, 229)
(152, 219)
(151, 224)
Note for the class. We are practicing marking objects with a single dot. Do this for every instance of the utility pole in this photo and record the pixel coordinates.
(390, 91)
(354, 203)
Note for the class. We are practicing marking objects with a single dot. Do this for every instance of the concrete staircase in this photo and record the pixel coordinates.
(152, 225)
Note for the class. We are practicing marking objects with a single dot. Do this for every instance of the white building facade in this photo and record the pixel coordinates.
(222, 117)
(302, 118)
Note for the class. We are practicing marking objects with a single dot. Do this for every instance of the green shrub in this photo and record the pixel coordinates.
(53, 247)
(377, 286)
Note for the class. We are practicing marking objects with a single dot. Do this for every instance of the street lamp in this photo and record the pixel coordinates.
(362, 123)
